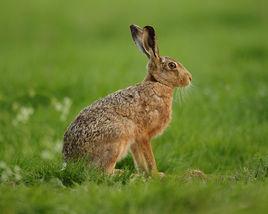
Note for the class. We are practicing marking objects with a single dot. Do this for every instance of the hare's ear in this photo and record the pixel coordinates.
(137, 35)
(149, 42)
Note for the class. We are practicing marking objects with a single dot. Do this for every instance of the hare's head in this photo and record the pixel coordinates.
(162, 68)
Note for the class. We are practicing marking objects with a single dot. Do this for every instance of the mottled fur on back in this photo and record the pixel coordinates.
(127, 119)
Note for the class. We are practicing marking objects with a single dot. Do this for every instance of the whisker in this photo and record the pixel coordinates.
(181, 94)
(193, 85)
(176, 95)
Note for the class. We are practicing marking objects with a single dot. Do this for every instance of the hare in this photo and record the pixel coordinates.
(128, 119)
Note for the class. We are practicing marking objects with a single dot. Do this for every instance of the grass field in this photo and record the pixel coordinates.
(56, 57)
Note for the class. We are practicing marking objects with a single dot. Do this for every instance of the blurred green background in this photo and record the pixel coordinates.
(56, 57)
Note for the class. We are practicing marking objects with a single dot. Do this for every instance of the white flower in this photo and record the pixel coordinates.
(17, 169)
(47, 155)
(50, 148)
(4, 177)
(63, 107)
(3, 165)
(23, 115)
(8, 173)
(58, 146)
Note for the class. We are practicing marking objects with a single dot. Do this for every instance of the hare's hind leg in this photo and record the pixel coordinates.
(107, 156)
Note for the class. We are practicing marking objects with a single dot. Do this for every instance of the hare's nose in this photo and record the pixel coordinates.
(190, 77)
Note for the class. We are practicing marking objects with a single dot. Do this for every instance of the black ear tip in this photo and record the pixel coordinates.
(148, 27)
(133, 29)
(150, 30)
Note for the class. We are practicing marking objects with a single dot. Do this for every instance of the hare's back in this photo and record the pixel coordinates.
(105, 118)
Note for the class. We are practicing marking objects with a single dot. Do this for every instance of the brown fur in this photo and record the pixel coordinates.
(128, 119)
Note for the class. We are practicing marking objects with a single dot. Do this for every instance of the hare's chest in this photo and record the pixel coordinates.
(157, 116)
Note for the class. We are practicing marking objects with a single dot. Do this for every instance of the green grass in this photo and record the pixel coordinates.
(56, 57)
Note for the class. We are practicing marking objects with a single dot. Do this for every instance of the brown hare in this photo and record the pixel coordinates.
(128, 119)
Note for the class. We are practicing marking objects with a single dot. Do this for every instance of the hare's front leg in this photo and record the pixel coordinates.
(143, 156)
(138, 157)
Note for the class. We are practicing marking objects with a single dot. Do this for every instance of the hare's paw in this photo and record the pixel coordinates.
(161, 174)
(158, 174)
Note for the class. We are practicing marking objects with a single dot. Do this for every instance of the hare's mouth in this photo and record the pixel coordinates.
(184, 82)
(185, 79)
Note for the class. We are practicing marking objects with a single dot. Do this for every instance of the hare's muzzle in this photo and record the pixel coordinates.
(185, 79)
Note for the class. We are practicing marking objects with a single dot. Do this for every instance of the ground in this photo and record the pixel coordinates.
(56, 57)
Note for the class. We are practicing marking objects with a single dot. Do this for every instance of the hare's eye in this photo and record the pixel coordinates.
(171, 65)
